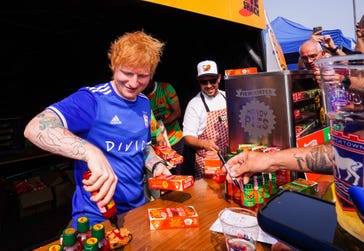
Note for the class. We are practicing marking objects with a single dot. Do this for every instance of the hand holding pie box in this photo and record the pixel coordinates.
(171, 182)
(212, 163)
(169, 155)
(173, 217)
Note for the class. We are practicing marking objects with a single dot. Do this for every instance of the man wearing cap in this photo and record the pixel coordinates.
(205, 125)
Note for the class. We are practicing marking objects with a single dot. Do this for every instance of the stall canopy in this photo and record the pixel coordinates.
(248, 12)
(291, 35)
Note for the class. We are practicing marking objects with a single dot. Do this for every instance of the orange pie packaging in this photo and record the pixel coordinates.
(241, 71)
(212, 163)
(165, 152)
(176, 160)
(301, 185)
(171, 182)
(173, 217)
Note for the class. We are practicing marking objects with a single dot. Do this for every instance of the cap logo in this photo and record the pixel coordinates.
(206, 67)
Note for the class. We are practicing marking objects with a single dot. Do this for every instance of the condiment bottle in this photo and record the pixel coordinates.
(258, 190)
(249, 198)
(69, 240)
(98, 231)
(267, 186)
(108, 211)
(83, 229)
(91, 244)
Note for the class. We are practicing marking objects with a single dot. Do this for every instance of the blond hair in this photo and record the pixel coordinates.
(135, 49)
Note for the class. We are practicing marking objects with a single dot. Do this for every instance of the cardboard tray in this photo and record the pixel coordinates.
(299, 220)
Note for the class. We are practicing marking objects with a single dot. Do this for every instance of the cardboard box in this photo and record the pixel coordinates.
(33, 196)
(35, 202)
(176, 160)
(171, 182)
(301, 185)
(241, 71)
(165, 152)
(173, 217)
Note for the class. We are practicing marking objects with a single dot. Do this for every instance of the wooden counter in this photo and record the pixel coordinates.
(205, 195)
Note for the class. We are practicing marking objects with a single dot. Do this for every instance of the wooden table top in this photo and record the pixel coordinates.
(206, 196)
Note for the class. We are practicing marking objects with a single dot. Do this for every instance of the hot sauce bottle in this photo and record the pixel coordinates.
(83, 229)
(91, 244)
(98, 231)
(69, 240)
(108, 211)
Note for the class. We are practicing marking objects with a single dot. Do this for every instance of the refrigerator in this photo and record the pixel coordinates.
(273, 108)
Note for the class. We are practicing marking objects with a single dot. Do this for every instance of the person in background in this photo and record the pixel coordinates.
(205, 125)
(167, 110)
(328, 44)
(359, 46)
(106, 129)
(156, 133)
(309, 51)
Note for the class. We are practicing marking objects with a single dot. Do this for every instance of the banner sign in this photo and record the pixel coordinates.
(274, 52)
(248, 12)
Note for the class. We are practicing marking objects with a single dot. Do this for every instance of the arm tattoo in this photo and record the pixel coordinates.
(299, 161)
(320, 159)
(57, 139)
(150, 157)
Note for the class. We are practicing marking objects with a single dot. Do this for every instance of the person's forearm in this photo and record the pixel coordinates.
(317, 159)
(151, 158)
(176, 113)
(360, 45)
(357, 84)
(47, 132)
(194, 142)
(174, 116)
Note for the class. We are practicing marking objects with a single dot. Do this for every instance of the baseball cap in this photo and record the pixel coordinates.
(207, 67)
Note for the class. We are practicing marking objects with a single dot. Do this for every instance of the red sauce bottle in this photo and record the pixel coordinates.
(108, 211)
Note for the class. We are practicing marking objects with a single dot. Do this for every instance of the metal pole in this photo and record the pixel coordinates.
(354, 15)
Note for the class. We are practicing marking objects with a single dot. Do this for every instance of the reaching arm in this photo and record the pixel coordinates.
(316, 159)
(197, 144)
(47, 132)
(155, 163)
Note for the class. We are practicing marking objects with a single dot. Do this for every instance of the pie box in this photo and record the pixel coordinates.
(173, 217)
(165, 152)
(241, 71)
(212, 162)
(171, 182)
(176, 160)
(301, 185)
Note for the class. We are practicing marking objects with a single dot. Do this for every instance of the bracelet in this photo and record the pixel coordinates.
(340, 47)
(156, 164)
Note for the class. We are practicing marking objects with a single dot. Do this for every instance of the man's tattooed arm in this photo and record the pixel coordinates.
(317, 159)
(47, 132)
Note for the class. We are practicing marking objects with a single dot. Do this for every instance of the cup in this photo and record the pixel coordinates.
(343, 103)
(240, 227)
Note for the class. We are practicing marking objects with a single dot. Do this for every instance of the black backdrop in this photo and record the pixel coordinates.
(49, 50)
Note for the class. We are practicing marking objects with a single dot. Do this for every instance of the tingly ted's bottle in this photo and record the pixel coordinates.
(55, 247)
(83, 229)
(98, 231)
(108, 211)
(91, 244)
(69, 240)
